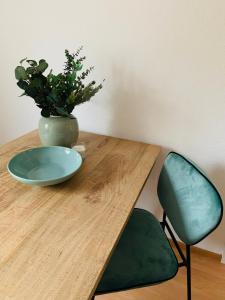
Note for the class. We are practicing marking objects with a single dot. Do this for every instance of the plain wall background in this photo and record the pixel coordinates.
(164, 64)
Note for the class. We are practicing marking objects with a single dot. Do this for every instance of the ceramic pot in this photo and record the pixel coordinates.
(58, 131)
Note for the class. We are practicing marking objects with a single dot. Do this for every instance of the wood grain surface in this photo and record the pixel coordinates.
(55, 241)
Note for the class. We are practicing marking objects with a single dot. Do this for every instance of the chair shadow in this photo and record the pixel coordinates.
(131, 119)
(216, 239)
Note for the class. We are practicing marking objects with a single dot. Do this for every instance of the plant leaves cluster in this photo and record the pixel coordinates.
(56, 95)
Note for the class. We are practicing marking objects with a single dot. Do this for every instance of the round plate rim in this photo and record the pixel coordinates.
(25, 180)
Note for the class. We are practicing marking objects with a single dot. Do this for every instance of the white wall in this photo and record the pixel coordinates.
(163, 61)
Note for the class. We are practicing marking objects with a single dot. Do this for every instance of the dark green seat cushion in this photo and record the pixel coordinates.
(142, 257)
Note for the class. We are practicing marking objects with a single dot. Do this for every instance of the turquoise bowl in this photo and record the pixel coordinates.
(45, 165)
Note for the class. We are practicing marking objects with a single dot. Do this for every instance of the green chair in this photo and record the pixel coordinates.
(143, 256)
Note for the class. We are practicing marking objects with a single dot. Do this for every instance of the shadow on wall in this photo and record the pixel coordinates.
(130, 119)
(149, 198)
(134, 107)
(215, 242)
(217, 176)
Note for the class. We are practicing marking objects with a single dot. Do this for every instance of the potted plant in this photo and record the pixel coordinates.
(57, 95)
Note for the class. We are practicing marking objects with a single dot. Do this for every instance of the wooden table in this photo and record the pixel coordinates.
(55, 241)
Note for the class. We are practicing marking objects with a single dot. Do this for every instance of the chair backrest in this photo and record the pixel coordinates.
(189, 199)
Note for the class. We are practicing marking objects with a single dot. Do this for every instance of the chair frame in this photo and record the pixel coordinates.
(163, 224)
(186, 258)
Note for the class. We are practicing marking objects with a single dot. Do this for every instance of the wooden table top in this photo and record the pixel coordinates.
(55, 241)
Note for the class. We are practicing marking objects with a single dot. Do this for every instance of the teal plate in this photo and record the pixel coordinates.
(45, 165)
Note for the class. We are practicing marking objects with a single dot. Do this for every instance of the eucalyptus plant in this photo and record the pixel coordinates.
(56, 95)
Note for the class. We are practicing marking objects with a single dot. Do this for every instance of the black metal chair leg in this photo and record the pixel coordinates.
(188, 257)
(163, 221)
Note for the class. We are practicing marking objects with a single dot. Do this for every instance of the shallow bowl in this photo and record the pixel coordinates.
(45, 165)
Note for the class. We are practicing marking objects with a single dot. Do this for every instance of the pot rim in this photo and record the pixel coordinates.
(60, 117)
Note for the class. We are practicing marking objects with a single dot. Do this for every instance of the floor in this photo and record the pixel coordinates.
(208, 282)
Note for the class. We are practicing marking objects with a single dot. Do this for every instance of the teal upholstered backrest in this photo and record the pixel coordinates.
(189, 199)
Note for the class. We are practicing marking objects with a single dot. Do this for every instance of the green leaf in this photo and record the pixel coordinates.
(20, 73)
(32, 62)
(70, 108)
(78, 67)
(71, 99)
(53, 97)
(45, 113)
(31, 91)
(42, 66)
(22, 84)
(37, 83)
(31, 70)
(62, 112)
(71, 77)
(22, 60)
(50, 73)
(50, 77)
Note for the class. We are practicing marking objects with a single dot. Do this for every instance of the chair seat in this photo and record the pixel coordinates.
(142, 257)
